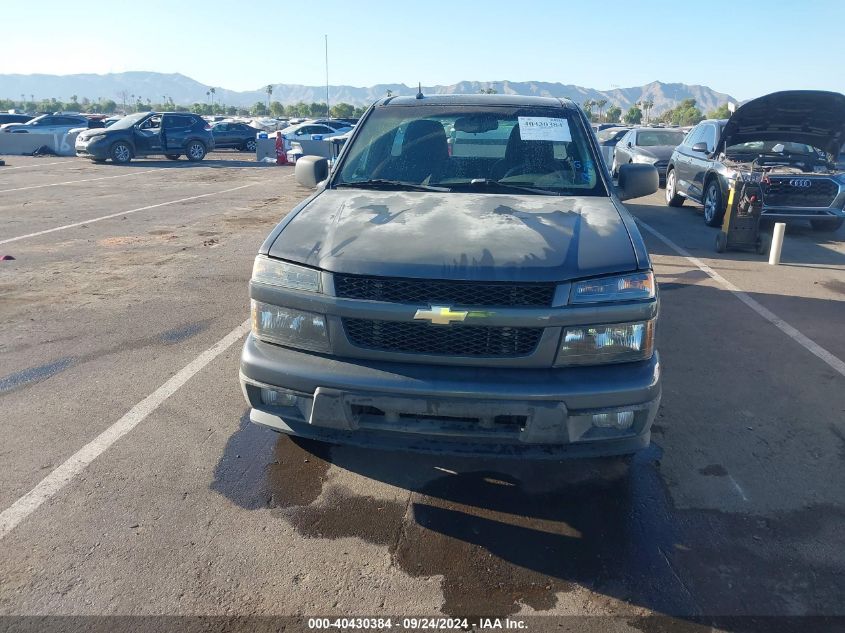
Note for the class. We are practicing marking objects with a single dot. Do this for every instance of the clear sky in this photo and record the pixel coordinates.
(742, 47)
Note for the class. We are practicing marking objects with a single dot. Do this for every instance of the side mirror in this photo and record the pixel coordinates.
(636, 180)
(311, 170)
(701, 146)
(629, 144)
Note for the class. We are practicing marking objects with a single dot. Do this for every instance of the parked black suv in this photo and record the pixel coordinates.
(146, 134)
(237, 135)
(786, 141)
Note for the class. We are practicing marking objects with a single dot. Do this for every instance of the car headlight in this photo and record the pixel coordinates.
(618, 288)
(603, 344)
(274, 272)
(286, 326)
(95, 137)
(648, 160)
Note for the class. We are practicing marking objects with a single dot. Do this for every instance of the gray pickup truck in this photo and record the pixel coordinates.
(488, 296)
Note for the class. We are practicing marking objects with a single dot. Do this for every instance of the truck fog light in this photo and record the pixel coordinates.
(616, 420)
(286, 326)
(277, 398)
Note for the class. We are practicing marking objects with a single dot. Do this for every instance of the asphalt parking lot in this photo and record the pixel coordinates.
(123, 314)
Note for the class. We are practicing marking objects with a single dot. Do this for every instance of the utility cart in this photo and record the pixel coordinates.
(741, 224)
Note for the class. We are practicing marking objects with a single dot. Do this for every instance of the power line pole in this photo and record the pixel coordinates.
(327, 75)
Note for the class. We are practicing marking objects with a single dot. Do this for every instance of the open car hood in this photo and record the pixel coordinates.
(812, 117)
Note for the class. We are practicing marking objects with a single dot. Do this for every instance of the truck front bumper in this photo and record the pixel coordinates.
(542, 413)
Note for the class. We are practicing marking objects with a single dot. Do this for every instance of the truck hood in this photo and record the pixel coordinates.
(812, 117)
(457, 236)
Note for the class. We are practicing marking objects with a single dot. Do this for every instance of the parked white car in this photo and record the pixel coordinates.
(49, 124)
(307, 131)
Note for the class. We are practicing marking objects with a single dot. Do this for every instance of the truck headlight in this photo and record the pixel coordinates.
(648, 160)
(286, 326)
(602, 344)
(632, 287)
(274, 272)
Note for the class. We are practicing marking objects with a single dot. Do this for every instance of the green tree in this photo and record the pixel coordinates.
(277, 109)
(685, 113)
(259, 109)
(613, 114)
(634, 115)
(721, 112)
(316, 109)
(108, 106)
(488, 91)
(600, 105)
(231, 111)
(343, 110)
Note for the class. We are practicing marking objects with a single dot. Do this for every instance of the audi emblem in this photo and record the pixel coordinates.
(801, 183)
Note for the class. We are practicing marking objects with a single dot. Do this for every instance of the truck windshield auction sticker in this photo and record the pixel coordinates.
(540, 128)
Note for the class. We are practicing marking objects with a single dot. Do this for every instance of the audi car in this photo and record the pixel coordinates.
(787, 142)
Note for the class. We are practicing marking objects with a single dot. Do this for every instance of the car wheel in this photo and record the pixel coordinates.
(827, 225)
(172, 156)
(249, 146)
(98, 160)
(672, 197)
(714, 207)
(121, 152)
(195, 151)
(721, 242)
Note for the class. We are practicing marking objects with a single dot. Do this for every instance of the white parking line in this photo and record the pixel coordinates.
(73, 182)
(122, 213)
(811, 346)
(79, 461)
(70, 161)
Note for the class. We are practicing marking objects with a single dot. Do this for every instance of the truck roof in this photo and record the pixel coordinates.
(479, 99)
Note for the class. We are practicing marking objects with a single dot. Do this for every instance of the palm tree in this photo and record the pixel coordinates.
(213, 91)
(269, 91)
(600, 105)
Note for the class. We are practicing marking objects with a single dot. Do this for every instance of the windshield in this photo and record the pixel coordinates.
(654, 138)
(611, 134)
(488, 147)
(128, 121)
(37, 120)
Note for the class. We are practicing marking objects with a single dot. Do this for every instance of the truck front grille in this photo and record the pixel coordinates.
(428, 291)
(781, 193)
(447, 340)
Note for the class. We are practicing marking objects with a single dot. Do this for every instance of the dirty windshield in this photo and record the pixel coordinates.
(489, 150)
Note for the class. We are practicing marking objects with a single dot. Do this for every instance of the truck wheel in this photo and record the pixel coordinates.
(121, 153)
(195, 151)
(827, 225)
(172, 156)
(672, 197)
(763, 244)
(714, 206)
(721, 242)
(249, 145)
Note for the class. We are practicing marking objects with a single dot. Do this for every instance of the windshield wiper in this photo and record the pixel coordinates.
(479, 183)
(380, 183)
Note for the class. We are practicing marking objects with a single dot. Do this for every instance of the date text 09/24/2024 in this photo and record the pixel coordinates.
(416, 624)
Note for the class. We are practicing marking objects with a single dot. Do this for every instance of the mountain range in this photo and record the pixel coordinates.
(184, 90)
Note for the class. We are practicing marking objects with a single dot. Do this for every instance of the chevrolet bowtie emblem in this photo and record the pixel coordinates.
(441, 315)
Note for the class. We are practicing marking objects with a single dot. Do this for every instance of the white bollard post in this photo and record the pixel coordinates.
(777, 243)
